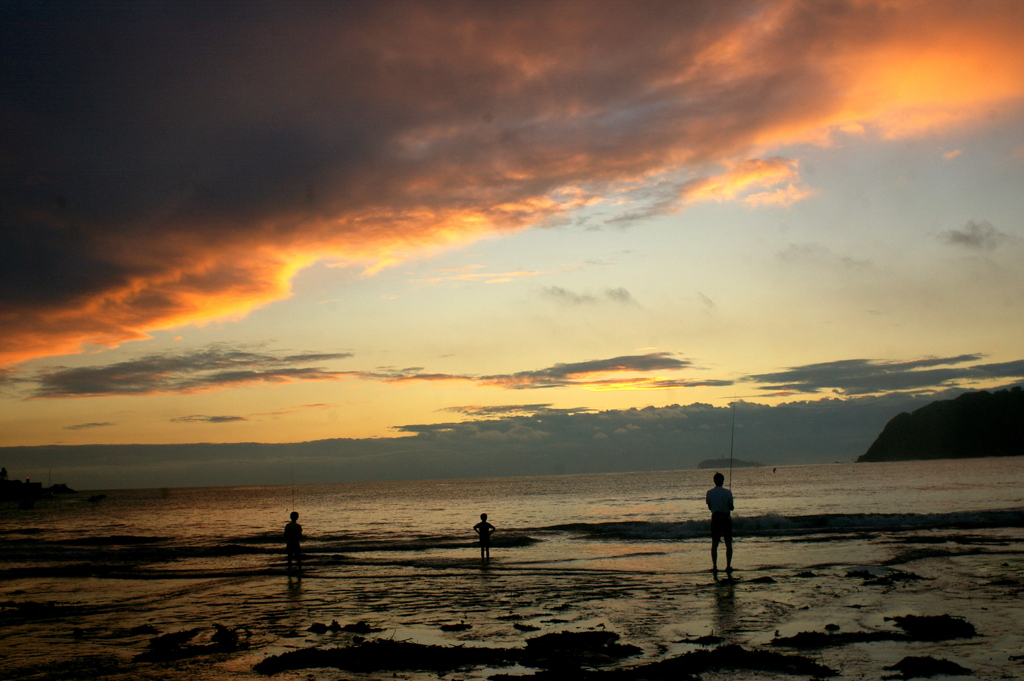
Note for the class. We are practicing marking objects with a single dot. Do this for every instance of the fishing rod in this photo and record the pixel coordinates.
(292, 467)
(732, 441)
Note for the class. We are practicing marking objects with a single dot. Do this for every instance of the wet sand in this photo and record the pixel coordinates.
(90, 621)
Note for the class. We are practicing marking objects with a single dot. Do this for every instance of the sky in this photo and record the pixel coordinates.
(287, 222)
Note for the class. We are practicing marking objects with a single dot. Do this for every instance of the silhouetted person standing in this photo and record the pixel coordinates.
(719, 500)
(485, 530)
(292, 540)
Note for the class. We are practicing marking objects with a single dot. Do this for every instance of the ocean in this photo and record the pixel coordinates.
(622, 552)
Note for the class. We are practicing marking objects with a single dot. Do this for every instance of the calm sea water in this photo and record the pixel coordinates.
(535, 516)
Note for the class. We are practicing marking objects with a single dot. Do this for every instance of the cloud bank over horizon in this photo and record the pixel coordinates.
(530, 440)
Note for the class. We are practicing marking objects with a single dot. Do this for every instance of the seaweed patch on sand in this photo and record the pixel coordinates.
(934, 628)
(173, 646)
(564, 650)
(915, 667)
(891, 578)
(915, 628)
(689, 665)
(565, 655)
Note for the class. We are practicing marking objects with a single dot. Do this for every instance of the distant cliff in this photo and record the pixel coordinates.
(973, 425)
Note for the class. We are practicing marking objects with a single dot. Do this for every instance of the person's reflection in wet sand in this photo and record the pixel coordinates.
(294, 587)
(725, 605)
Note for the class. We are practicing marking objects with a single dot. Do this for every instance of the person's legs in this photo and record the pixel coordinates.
(716, 536)
(727, 535)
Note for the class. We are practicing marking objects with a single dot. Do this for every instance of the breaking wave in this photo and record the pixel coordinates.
(778, 525)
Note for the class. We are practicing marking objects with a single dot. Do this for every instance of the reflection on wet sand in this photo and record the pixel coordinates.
(724, 605)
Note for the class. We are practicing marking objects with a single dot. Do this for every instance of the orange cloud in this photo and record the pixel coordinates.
(204, 168)
(763, 173)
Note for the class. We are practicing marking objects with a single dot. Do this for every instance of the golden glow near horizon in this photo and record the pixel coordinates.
(597, 209)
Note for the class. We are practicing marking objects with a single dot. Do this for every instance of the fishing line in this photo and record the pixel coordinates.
(732, 441)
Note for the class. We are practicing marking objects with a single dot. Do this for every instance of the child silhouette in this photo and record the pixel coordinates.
(485, 530)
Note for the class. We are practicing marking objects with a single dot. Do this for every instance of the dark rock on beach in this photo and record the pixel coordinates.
(974, 425)
(934, 628)
(360, 627)
(575, 648)
(816, 640)
(383, 655)
(563, 651)
(915, 628)
(891, 578)
(706, 640)
(916, 667)
(172, 647)
(690, 666)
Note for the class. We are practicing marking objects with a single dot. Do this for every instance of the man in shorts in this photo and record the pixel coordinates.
(719, 500)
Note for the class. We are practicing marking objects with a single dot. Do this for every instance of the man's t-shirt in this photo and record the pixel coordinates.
(292, 533)
(719, 499)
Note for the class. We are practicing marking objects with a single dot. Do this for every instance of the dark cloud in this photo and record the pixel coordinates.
(567, 297)
(707, 302)
(199, 418)
(497, 410)
(620, 295)
(183, 372)
(87, 426)
(616, 373)
(585, 373)
(976, 235)
(167, 163)
(222, 366)
(866, 376)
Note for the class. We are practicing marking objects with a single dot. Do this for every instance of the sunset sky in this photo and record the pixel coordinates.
(280, 222)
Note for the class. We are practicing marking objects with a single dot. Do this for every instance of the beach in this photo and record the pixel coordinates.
(843, 553)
